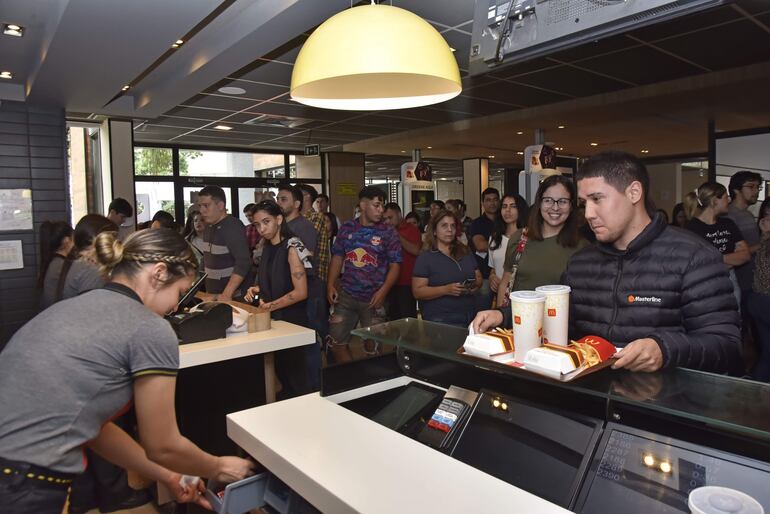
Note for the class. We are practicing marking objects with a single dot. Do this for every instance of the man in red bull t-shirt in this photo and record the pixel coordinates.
(370, 252)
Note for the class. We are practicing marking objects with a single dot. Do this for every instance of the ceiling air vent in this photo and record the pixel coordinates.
(267, 120)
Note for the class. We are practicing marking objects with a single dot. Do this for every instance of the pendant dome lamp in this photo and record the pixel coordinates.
(375, 57)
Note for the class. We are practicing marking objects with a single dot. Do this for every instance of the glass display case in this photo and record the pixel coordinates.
(612, 439)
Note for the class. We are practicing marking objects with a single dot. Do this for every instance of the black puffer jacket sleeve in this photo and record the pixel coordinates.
(711, 337)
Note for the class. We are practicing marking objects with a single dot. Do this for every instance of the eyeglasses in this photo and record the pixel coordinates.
(561, 203)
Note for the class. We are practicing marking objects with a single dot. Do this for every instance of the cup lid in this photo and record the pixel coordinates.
(722, 500)
(553, 289)
(527, 297)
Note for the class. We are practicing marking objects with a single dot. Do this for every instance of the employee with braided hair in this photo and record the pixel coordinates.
(78, 364)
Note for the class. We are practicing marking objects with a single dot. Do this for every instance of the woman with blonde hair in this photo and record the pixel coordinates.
(80, 363)
(445, 277)
(705, 209)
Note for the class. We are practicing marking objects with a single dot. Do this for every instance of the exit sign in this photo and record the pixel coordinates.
(312, 149)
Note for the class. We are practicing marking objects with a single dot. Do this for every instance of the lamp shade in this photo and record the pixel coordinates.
(375, 57)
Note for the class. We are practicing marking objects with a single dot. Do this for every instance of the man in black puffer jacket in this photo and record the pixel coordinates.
(660, 293)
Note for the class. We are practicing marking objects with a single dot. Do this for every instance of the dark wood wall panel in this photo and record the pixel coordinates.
(33, 155)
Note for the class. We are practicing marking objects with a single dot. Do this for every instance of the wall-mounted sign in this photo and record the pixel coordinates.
(11, 256)
(15, 209)
(312, 149)
(347, 189)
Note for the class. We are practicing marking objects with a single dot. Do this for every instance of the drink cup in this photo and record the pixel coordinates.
(555, 314)
(527, 313)
(717, 500)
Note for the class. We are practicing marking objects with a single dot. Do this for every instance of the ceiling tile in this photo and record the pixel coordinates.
(602, 46)
(573, 81)
(392, 121)
(269, 72)
(446, 12)
(641, 65)
(475, 105)
(754, 6)
(686, 24)
(197, 112)
(462, 44)
(748, 44)
(523, 68)
(520, 94)
(254, 91)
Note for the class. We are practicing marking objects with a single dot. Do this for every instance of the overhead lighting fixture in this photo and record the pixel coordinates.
(11, 29)
(403, 151)
(429, 148)
(519, 133)
(223, 127)
(594, 144)
(665, 467)
(491, 156)
(519, 153)
(6, 75)
(232, 90)
(125, 88)
(645, 151)
(375, 57)
(561, 126)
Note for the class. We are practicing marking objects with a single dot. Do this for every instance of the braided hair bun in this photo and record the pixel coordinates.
(149, 246)
(108, 251)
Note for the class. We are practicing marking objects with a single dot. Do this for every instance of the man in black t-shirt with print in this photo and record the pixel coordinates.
(478, 240)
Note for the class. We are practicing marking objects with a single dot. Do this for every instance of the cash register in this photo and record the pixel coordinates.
(208, 320)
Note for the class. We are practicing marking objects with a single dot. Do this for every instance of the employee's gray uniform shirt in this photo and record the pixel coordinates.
(225, 251)
(81, 277)
(71, 369)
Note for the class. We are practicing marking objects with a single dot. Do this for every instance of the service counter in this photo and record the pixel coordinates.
(612, 441)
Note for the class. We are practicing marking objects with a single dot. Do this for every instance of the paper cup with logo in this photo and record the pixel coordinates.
(527, 313)
(555, 314)
(719, 500)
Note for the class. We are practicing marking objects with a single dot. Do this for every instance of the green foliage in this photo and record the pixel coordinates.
(159, 161)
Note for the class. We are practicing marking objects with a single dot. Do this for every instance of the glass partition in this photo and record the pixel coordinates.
(732, 404)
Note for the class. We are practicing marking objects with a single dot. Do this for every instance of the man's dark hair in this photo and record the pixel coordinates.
(165, 219)
(439, 203)
(295, 191)
(739, 180)
(619, 169)
(121, 206)
(490, 191)
(324, 196)
(307, 188)
(215, 192)
(393, 206)
(371, 193)
(248, 208)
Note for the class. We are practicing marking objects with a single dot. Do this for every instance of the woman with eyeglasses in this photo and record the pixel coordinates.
(706, 208)
(537, 255)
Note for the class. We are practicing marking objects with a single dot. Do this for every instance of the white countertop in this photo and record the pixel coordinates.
(282, 335)
(342, 462)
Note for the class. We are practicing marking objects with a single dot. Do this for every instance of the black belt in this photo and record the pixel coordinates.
(38, 474)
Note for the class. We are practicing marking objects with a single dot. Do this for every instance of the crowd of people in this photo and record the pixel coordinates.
(680, 294)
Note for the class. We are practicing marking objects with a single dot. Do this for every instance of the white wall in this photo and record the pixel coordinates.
(750, 153)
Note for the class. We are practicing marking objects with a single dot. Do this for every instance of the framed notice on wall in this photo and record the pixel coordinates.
(15, 209)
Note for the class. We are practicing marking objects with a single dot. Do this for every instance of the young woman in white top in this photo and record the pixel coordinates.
(513, 215)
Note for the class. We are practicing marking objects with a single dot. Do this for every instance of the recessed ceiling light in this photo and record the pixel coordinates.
(6, 75)
(179, 42)
(231, 90)
(125, 88)
(519, 133)
(519, 153)
(561, 126)
(594, 144)
(223, 127)
(491, 156)
(452, 49)
(430, 148)
(403, 151)
(645, 151)
(11, 29)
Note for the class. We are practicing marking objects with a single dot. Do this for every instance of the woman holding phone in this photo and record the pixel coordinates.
(446, 276)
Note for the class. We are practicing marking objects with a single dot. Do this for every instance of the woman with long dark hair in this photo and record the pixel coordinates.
(193, 233)
(511, 216)
(77, 273)
(446, 276)
(537, 255)
(56, 242)
(758, 302)
(282, 288)
(67, 373)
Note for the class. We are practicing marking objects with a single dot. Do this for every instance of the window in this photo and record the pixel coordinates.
(209, 163)
(153, 161)
(152, 197)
